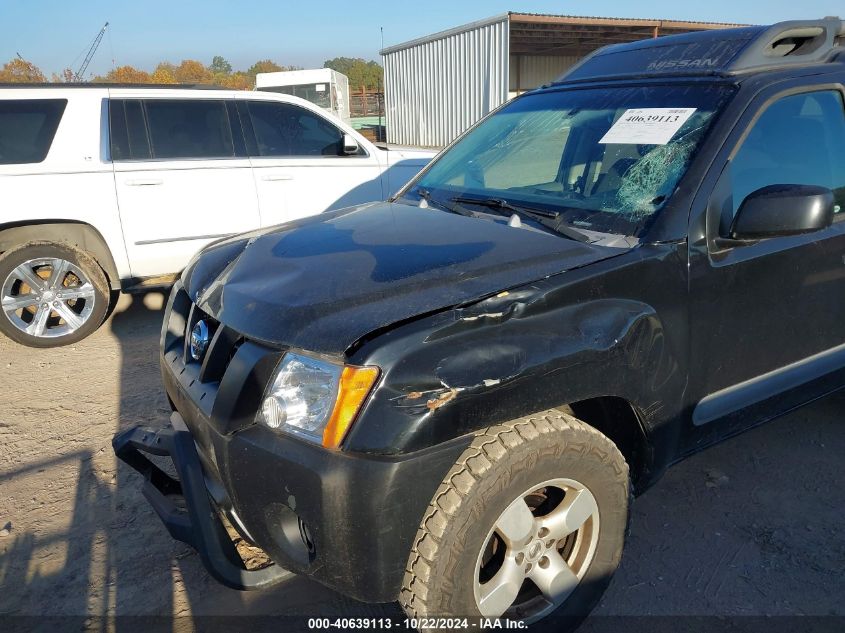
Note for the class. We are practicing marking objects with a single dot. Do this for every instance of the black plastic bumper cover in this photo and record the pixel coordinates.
(201, 527)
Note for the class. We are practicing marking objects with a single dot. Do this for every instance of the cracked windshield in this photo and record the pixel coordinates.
(602, 161)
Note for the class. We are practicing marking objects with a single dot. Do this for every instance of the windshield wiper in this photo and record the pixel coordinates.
(425, 194)
(498, 203)
(549, 219)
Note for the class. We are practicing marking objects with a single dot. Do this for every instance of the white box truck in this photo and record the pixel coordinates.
(324, 87)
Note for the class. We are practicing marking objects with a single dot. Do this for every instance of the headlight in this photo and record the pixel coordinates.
(315, 399)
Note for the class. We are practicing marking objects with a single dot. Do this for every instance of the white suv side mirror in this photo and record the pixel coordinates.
(350, 145)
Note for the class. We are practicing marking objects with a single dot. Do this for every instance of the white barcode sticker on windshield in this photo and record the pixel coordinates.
(647, 126)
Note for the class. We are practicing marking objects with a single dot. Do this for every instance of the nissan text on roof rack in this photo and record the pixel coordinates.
(449, 399)
(115, 187)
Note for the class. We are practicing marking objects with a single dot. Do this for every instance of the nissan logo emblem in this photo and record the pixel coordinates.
(199, 340)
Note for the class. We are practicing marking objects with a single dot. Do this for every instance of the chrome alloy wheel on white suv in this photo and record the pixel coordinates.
(50, 294)
(47, 297)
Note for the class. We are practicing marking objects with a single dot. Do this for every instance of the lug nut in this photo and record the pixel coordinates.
(543, 533)
(550, 544)
(544, 562)
(528, 568)
(519, 558)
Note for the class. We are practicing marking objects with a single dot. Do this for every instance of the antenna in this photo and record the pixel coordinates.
(380, 97)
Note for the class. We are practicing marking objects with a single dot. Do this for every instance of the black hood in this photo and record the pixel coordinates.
(324, 282)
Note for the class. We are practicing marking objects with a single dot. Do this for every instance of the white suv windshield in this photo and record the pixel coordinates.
(602, 160)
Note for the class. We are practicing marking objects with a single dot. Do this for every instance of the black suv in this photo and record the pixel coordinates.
(448, 399)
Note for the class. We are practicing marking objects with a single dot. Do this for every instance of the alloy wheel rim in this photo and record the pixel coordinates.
(47, 297)
(537, 551)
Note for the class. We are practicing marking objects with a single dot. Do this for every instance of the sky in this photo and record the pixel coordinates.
(55, 34)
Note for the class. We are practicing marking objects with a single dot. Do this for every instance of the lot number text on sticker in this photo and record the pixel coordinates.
(647, 126)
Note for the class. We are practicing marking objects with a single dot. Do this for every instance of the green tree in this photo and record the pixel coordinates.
(263, 66)
(359, 71)
(20, 71)
(374, 75)
(219, 66)
(340, 64)
(266, 66)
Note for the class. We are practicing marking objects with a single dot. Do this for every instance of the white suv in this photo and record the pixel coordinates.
(108, 188)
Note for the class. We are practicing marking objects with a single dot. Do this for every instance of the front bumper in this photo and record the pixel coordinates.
(200, 525)
(345, 519)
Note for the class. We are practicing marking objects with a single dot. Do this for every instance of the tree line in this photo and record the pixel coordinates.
(361, 73)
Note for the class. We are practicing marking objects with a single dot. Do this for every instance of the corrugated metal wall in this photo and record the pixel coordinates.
(532, 71)
(434, 90)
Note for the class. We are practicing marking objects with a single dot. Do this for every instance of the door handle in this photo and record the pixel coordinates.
(276, 177)
(144, 182)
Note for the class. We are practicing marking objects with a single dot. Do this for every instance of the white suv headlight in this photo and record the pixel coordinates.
(315, 399)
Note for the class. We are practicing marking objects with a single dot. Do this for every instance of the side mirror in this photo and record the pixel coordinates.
(783, 210)
(350, 145)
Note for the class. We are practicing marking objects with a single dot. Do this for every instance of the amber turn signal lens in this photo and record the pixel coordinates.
(355, 385)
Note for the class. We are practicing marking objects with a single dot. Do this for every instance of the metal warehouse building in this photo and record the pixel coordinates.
(437, 86)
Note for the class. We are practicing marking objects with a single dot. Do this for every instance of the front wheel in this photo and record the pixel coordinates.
(50, 294)
(529, 524)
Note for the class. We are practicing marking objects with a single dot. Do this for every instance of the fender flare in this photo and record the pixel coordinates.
(508, 357)
(78, 234)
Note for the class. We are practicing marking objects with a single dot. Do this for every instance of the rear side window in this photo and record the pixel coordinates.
(27, 128)
(189, 128)
(282, 129)
(127, 130)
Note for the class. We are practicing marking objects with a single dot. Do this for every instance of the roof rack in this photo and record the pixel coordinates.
(794, 42)
(722, 51)
(89, 84)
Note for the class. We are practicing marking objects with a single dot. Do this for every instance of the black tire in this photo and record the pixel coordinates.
(502, 462)
(114, 297)
(90, 271)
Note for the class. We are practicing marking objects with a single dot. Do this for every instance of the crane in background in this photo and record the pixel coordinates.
(90, 55)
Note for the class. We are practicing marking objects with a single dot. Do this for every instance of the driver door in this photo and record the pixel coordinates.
(766, 322)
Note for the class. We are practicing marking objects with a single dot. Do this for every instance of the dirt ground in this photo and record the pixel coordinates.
(751, 527)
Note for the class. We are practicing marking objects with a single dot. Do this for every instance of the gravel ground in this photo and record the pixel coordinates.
(750, 527)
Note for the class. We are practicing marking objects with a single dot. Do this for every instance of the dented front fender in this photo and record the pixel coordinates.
(566, 338)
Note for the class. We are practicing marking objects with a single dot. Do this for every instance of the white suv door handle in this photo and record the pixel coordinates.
(144, 182)
(276, 177)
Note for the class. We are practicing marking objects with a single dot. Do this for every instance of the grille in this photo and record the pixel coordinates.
(223, 390)
(223, 344)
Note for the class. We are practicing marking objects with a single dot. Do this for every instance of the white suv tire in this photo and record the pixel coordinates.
(51, 294)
